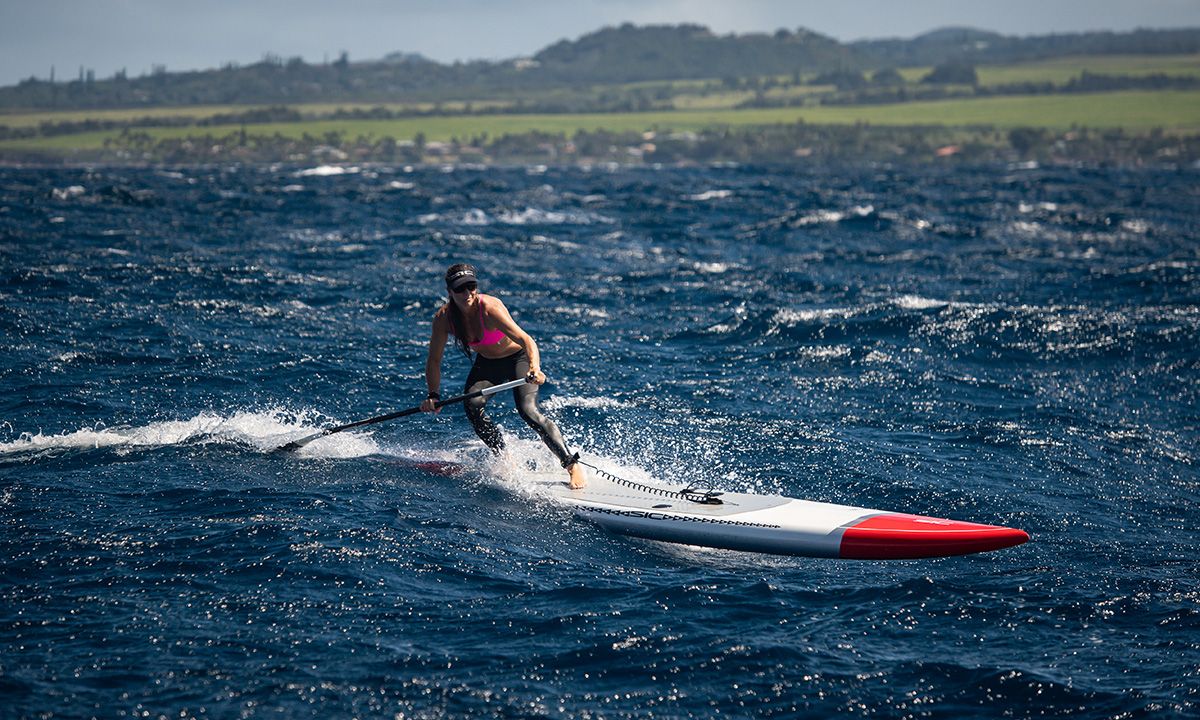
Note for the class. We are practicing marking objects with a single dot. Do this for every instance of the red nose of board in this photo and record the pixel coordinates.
(895, 536)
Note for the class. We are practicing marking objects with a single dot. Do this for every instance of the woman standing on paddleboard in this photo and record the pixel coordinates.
(503, 352)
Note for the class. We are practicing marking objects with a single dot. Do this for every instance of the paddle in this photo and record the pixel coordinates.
(297, 444)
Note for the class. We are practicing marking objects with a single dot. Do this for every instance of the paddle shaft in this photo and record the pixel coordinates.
(297, 444)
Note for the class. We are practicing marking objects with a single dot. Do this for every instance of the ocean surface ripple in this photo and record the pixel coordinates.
(1015, 346)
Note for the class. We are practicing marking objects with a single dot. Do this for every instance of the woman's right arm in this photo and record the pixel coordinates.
(433, 362)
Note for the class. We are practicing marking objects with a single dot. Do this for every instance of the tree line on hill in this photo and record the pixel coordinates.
(611, 56)
(988, 48)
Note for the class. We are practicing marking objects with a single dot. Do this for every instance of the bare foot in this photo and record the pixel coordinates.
(578, 477)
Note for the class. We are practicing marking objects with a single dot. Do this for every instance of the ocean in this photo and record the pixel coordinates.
(1011, 345)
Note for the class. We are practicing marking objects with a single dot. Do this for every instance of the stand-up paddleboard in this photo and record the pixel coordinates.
(771, 523)
(757, 523)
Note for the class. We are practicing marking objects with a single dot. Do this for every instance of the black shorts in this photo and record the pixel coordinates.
(498, 371)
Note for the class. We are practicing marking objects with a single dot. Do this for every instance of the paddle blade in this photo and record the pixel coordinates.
(297, 444)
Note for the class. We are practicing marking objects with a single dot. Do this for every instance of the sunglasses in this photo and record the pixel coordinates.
(466, 288)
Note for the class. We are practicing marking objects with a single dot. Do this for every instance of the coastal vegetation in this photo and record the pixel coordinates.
(575, 101)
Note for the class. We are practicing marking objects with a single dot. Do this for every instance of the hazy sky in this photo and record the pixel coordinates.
(108, 35)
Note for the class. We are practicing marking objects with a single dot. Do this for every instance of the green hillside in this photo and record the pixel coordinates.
(600, 96)
(572, 72)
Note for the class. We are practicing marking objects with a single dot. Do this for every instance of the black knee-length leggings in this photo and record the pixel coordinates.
(487, 372)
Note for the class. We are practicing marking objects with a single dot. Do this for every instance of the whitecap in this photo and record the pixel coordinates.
(724, 328)
(1138, 227)
(731, 324)
(532, 216)
(475, 216)
(790, 318)
(591, 403)
(822, 217)
(822, 352)
(916, 302)
(1160, 265)
(71, 191)
(819, 217)
(584, 311)
(327, 170)
(710, 195)
(537, 216)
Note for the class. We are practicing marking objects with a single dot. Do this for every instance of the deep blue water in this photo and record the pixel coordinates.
(1004, 345)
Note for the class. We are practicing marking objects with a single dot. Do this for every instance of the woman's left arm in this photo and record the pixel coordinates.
(504, 321)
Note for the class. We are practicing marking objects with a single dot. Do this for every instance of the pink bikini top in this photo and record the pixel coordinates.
(490, 337)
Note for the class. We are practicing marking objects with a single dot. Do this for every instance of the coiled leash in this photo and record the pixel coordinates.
(689, 493)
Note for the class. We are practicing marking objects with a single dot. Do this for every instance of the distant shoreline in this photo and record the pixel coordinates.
(796, 144)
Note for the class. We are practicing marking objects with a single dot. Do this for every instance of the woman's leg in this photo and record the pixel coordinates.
(525, 398)
(487, 430)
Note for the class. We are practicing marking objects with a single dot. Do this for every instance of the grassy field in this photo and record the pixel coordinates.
(1060, 70)
(729, 99)
(1133, 111)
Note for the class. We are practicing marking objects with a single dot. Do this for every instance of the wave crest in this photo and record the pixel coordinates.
(264, 431)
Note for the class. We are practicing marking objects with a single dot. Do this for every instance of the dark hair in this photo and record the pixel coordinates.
(457, 321)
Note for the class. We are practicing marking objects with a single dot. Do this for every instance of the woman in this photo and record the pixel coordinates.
(504, 352)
